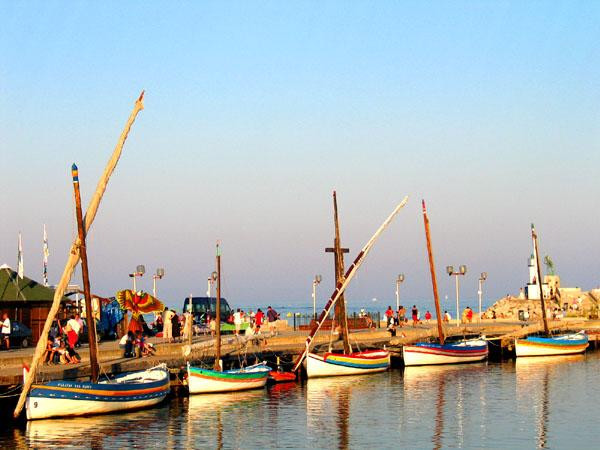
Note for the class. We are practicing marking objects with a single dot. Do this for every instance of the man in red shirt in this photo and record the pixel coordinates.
(389, 316)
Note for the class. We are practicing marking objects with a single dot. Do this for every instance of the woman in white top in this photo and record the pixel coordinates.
(237, 320)
(6, 330)
(168, 325)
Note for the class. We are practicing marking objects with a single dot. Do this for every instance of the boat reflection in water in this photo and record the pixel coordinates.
(534, 388)
(94, 431)
(446, 385)
(214, 419)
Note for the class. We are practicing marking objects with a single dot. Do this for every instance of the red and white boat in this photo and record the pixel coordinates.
(423, 353)
(337, 364)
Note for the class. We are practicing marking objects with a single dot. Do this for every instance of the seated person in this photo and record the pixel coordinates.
(50, 350)
(139, 343)
(63, 354)
(149, 349)
(129, 342)
(75, 358)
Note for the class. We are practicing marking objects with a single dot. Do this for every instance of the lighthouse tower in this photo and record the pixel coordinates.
(533, 287)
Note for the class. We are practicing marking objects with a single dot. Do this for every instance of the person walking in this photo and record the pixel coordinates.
(469, 314)
(176, 326)
(389, 317)
(272, 317)
(415, 315)
(258, 320)
(6, 331)
(73, 329)
(237, 321)
(427, 316)
(168, 325)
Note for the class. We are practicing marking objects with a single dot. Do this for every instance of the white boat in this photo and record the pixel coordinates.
(566, 344)
(337, 364)
(72, 398)
(421, 354)
(205, 381)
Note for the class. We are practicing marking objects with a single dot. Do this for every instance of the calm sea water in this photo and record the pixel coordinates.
(536, 402)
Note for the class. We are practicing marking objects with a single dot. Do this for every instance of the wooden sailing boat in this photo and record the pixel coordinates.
(71, 398)
(547, 345)
(205, 381)
(347, 363)
(442, 352)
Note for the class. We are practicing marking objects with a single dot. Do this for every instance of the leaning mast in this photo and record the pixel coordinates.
(436, 297)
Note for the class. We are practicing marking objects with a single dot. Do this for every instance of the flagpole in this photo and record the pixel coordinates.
(46, 253)
(20, 263)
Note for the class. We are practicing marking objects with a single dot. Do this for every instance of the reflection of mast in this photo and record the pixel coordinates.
(344, 416)
(340, 306)
(543, 419)
(219, 430)
(439, 414)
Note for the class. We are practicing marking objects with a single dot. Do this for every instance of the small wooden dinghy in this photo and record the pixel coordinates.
(337, 364)
(276, 376)
(71, 398)
(566, 344)
(424, 353)
(204, 381)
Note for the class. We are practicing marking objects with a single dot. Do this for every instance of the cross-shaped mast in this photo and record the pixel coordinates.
(338, 251)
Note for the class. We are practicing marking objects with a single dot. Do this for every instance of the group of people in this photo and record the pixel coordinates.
(62, 341)
(254, 320)
(398, 318)
(135, 344)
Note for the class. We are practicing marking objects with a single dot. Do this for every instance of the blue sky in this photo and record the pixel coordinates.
(256, 111)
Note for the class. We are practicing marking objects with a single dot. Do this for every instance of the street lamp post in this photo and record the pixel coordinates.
(462, 270)
(159, 274)
(482, 278)
(209, 283)
(399, 281)
(316, 281)
(139, 272)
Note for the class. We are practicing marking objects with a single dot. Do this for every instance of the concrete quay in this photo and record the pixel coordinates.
(267, 347)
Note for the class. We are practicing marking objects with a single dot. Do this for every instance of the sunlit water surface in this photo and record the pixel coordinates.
(536, 402)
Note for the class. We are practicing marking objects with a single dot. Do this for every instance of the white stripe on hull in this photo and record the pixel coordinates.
(545, 350)
(197, 385)
(317, 367)
(45, 407)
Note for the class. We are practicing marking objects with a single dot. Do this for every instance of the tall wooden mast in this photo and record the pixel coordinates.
(341, 287)
(218, 314)
(89, 312)
(338, 251)
(436, 297)
(539, 280)
(74, 254)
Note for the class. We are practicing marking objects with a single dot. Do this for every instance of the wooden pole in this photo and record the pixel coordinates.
(340, 306)
(218, 314)
(540, 284)
(436, 297)
(74, 253)
(89, 316)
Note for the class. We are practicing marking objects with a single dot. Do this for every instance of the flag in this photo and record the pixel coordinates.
(46, 254)
(20, 269)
